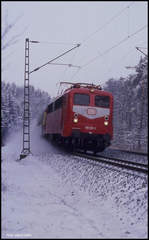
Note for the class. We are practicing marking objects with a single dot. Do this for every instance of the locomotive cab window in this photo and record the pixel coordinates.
(81, 99)
(102, 101)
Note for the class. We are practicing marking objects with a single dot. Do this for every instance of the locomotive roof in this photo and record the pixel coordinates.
(88, 91)
(83, 89)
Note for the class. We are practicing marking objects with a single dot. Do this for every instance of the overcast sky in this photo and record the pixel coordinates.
(98, 26)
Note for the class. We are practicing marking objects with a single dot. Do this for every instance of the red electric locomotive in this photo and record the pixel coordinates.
(81, 117)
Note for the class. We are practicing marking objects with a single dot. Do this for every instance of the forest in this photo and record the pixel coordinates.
(131, 108)
(12, 107)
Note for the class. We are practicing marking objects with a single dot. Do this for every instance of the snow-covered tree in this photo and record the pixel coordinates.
(131, 107)
(12, 107)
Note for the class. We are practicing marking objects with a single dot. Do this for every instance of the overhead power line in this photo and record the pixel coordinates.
(114, 46)
(138, 48)
(89, 36)
(103, 26)
(108, 22)
(36, 69)
(107, 51)
(65, 64)
(59, 43)
(131, 50)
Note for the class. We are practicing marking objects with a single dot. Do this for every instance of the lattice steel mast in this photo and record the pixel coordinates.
(26, 117)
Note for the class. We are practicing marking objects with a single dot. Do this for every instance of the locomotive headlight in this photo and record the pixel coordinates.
(106, 123)
(75, 120)
(92, 90)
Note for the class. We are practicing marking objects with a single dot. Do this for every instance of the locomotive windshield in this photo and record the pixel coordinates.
(102, 101)
(81, 99)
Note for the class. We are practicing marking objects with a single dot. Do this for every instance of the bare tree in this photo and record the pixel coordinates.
(9, 39)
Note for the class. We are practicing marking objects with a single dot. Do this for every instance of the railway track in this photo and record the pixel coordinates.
(128, 151)
(139, 167)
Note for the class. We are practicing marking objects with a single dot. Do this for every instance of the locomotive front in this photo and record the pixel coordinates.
(90, 115)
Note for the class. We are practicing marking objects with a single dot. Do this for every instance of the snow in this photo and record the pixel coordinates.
(52, 194)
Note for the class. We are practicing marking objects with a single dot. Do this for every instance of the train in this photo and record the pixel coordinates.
(80, 117)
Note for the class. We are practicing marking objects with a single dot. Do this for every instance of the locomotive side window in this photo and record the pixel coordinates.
(102, 101)
(58, 103)
(50, 108)
(64, 100)
(81, 99)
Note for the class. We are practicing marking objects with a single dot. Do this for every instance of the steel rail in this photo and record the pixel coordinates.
(129, 151)
(125, 161)
(115, 162)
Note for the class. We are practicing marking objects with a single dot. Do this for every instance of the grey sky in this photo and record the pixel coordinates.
(74, 22)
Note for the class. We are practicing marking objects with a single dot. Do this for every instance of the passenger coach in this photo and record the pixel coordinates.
(81, 117)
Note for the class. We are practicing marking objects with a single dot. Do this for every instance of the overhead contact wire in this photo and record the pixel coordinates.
(114, 46)
(108, 22)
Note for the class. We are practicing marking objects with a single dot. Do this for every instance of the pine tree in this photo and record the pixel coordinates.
(12, 106)
(130, 107)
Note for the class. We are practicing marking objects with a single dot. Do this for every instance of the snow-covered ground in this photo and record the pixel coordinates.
(52, 194)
